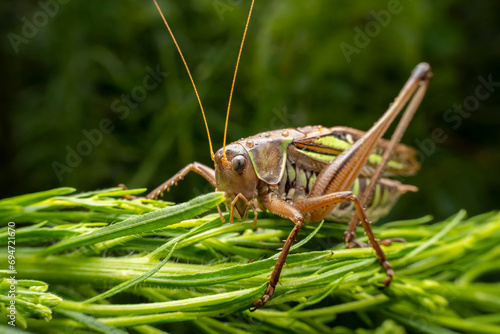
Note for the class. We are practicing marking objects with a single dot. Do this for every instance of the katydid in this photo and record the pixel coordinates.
(313, 173)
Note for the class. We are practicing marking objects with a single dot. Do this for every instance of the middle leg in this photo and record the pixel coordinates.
(313, 203)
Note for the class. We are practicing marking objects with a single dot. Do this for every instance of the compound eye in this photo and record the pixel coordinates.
(239, 163)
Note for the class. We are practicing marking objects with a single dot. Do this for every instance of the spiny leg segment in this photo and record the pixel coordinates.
(395, 140)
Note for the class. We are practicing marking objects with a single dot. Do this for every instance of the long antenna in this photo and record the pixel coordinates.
(234, 80)
(192, 81)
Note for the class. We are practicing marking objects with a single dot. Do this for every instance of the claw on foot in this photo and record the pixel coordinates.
(385, 242)
(127, 197)
(385, 264)
(349, 237)
(389, 271)
(358, 244)
(259, 303)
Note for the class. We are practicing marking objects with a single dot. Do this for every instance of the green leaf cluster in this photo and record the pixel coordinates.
(143, 266)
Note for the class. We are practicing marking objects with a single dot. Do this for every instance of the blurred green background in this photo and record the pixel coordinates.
(66, 66)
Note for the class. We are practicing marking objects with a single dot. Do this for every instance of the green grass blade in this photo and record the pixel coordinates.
(28, 199)
(142, 224)
(91, 322)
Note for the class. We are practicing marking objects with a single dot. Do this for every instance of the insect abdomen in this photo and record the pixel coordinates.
(298, 182)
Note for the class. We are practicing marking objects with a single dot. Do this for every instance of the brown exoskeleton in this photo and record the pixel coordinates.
(313, 173)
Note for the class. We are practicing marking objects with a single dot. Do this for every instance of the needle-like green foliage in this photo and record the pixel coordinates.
(116, 266)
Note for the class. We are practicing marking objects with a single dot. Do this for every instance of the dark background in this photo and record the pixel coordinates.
(64, 77)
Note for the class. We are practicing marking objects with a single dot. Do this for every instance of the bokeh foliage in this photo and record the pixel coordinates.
(293, 73)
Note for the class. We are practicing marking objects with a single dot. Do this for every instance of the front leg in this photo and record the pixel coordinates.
(285, 210)
(205, 171)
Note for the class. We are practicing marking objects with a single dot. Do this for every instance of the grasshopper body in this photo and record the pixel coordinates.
(314, 173)
(289, 161)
